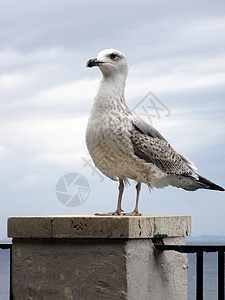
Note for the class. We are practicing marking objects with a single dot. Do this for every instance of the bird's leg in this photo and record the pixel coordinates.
(121, 189)
(119, 209)
(138, 188)
(135, 211)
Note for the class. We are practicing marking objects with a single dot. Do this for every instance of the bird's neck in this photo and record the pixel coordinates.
(112, 86)
(110, 96)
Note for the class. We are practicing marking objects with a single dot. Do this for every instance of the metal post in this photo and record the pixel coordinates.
(10, 287)
(199, 275)
(220, 275)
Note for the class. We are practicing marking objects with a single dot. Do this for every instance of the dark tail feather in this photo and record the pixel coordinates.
(210, 185)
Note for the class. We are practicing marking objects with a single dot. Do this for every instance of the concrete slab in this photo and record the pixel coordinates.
(29, 227)
(120, 227)
(91, 269)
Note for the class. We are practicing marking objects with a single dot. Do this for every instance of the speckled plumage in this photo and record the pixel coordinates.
(124, 147)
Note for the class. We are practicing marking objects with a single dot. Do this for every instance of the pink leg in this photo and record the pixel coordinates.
(121, 189)
(119, 209)
(135, 211)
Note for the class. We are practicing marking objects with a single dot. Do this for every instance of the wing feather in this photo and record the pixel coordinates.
(149, 145)
(145, 128)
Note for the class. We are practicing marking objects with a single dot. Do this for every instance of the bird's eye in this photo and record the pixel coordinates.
(112, 56)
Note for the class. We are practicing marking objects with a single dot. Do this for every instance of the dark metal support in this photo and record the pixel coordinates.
(220, 275)
(199, 275)
(9, 246)
(199, 249)
(10, 287)
(191, 248)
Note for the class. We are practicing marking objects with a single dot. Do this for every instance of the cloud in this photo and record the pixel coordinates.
(35, 135)
(78, 93)
(3, 151)
(176, 75)
(174, 49)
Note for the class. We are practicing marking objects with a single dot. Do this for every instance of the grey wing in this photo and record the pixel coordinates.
(149, 145)
(145, 128)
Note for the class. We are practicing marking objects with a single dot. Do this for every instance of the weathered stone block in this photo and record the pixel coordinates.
(98, 227)
(92, 257)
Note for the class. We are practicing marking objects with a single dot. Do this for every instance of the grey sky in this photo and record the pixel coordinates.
(175, 49)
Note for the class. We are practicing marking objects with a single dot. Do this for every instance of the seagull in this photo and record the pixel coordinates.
(123, 147)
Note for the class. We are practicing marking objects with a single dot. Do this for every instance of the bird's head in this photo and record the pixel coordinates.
(111, 62)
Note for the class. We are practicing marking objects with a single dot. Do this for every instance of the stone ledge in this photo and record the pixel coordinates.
(122, 227)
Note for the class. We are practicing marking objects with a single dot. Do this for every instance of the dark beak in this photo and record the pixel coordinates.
(93, 62)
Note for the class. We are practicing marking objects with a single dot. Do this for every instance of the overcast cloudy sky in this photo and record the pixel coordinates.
(175, 49)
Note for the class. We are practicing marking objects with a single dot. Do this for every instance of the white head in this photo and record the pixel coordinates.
(111, 62)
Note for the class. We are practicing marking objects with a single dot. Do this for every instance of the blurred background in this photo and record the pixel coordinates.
(176, 81)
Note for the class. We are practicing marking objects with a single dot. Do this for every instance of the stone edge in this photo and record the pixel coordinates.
(99, 227)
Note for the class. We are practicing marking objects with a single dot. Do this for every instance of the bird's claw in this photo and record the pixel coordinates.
(119, 213)
(114, 213)
(133, 213)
